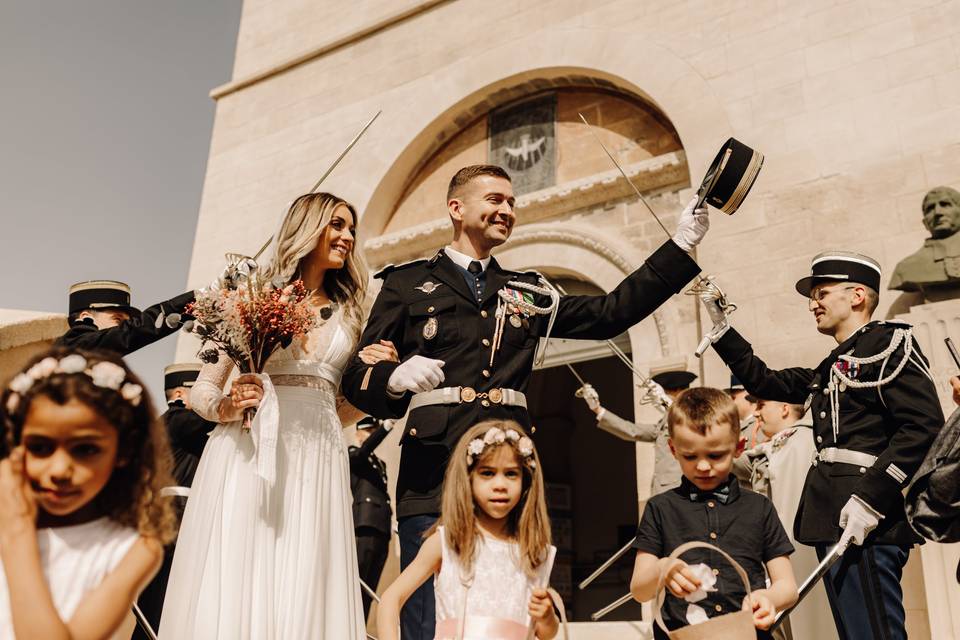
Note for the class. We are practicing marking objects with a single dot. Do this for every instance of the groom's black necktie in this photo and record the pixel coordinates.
(477, 275)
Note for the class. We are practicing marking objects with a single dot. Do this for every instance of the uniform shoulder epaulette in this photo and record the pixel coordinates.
(896, 324)
(390, 268)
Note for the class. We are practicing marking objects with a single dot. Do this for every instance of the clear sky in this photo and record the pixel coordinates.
(105, 123)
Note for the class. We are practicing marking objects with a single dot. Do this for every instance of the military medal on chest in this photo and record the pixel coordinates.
(516, 306)
(430, 328)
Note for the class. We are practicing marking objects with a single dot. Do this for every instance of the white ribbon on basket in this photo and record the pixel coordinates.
(265, 430)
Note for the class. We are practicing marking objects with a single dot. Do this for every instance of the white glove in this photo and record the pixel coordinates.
(857, 519)
(590, 396)
(692, 226)
(418, 374)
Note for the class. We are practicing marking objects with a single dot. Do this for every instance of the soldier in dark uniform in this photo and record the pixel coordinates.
(371, 503)
(101, 317)
(466, 331)
(875, 415)
(188, 434)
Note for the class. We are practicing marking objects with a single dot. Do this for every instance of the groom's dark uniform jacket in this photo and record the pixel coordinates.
(428, 308)
(137, 332)
(897, 423)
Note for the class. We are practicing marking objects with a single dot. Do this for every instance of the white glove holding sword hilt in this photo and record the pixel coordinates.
(718, 310)
(653, 394)
(692, 226)
(418, 374)
(590, 396)
(857, 519)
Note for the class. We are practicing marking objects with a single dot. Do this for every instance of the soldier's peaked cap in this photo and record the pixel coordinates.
(180, 375)
(840, 266)
(98, 295)
(674, 379)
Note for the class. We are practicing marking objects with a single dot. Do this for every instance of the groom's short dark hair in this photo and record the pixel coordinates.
(467, 174)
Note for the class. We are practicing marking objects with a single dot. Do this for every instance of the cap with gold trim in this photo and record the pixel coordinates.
(840, 266)
(100, 295)
(180, 375)
(730, 176)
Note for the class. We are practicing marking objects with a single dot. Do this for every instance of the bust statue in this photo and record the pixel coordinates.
(932, 273)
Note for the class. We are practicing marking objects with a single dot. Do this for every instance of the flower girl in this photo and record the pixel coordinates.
(82, 527)
(491, 552)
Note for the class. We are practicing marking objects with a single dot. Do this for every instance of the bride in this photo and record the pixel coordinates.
(266, 549)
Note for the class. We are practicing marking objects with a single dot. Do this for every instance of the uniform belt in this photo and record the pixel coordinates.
(846, 456)
(458, 395)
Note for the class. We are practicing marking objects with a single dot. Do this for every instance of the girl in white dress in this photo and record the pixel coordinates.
(491, 554)
(266, 548)
(82, 527)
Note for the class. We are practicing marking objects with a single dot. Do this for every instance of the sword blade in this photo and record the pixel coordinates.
(347, 150)
(370, 592)
(606, 565)
(142, 621)
(329, 170)
(619, 602)
(835, 553)
(624, 174)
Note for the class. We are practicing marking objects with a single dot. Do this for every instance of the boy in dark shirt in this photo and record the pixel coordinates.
(710, 506)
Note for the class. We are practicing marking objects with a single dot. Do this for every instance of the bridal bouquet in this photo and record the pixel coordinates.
(249, 318)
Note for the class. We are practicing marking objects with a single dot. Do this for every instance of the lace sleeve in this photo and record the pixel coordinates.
(207, 391)
(347, 413)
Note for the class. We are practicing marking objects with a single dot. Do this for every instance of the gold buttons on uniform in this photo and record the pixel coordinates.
(713, 535)
(485, 403)
(716, 572)
(823, 414)
(486, 373)
(413, 431)
(431, 309)
(863, 470)
(711, 504)
(485, 342)
(718, 608)
(819, 438)
(483, 314)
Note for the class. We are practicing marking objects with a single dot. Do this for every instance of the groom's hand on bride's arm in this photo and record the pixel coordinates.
(418, 374)
(378, 352)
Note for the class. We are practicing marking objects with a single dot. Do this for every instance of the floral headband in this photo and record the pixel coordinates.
(497, 436)
(106, 375)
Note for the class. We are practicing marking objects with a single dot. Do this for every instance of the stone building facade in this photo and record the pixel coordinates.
(855, 104)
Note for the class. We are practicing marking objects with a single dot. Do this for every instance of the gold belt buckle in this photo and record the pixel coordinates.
(495, 396)
(467, 394)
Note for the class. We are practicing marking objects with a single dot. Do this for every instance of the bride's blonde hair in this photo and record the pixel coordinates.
(301, 229)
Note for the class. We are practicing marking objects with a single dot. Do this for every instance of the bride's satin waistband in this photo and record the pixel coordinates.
(303, 381)
(481, 628)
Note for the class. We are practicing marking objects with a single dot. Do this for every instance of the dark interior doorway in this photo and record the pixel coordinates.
(591, 482)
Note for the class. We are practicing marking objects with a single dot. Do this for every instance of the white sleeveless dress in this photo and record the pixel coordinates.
(75, 561)
(266, 548)
(495, 603)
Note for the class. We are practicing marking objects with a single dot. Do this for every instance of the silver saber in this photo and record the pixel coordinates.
(370, 592)
(606, 565)
(835, 553)
(142, 621)
(619, 602)
(329, 170)
(624, 174)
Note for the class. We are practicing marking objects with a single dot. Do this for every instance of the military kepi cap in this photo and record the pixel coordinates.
(100, 294)
(730, 176)
(180, 375)
(674, 379)
(840, 266)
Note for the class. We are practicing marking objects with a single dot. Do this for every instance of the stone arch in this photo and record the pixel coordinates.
(598, 57)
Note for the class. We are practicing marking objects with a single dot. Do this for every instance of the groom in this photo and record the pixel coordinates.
(442, 316)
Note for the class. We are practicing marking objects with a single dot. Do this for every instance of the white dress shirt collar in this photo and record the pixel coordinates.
(463, 260)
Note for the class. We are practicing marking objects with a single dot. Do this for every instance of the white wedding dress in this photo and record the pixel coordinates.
(266, 549)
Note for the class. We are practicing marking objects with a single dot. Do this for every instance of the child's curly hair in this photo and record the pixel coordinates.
(132, 495)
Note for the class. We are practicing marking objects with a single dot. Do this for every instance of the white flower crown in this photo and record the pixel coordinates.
(497, 436)
(106, 375)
